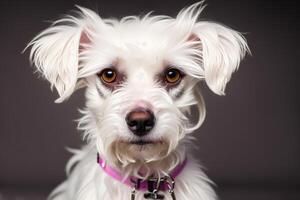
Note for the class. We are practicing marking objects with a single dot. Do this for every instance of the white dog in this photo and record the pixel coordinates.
(141, 75)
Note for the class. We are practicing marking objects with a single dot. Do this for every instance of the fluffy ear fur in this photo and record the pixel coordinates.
(56, 51)
(221, 48)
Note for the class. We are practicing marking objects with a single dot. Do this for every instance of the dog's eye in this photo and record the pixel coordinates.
(172, 76)
(108, 75)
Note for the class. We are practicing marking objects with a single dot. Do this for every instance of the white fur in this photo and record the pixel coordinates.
(73, 50)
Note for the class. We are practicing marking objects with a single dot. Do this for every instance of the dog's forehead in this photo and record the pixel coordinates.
(141, 69)
(142, 38)
(143, 45)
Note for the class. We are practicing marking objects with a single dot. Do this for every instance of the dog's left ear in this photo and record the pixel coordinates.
(57, 50)
(221, 49)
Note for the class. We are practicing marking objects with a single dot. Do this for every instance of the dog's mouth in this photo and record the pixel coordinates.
(142, 142)
(143, 149)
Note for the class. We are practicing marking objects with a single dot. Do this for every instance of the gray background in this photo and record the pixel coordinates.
(249, 143)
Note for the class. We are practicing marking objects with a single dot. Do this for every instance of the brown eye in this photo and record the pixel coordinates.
(173, 76)
(108, 75)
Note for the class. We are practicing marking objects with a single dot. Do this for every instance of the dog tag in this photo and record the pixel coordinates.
(153, 195)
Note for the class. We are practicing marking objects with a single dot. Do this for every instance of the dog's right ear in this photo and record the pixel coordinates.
(55, 52)
(216, 50)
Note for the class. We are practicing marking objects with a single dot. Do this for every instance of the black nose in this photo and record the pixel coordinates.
(140, 121)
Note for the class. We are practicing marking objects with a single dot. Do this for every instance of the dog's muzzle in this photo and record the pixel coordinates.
(140, 121)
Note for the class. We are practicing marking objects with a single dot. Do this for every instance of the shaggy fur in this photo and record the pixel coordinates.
(71, 53)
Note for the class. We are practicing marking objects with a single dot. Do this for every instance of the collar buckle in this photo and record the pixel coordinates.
(154, 185)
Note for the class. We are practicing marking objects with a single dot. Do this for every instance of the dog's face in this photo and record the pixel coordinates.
(138, 97)
(140, 75)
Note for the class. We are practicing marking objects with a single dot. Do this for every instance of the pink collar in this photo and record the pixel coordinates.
(142, 184)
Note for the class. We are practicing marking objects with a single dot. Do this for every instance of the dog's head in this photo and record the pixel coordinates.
(140, 74)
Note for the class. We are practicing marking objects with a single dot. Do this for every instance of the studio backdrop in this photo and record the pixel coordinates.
(249, 142)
